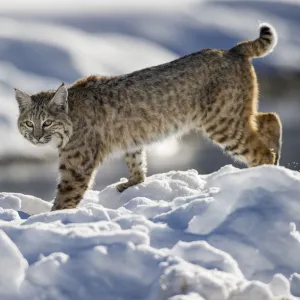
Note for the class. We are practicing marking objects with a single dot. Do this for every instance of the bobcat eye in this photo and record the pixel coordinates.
(29, 124)
(47, 123)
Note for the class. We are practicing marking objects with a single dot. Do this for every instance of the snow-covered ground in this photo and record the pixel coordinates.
(231, 235)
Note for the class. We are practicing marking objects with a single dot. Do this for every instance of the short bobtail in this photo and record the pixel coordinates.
(261, 46)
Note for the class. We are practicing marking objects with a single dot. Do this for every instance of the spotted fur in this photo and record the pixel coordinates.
(212, 91)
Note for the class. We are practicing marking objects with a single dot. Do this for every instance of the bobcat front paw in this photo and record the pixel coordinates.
(121, 187)
(56, 207)
(60, 206)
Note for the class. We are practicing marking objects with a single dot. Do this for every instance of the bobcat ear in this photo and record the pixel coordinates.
(23, 99)
(60, 98)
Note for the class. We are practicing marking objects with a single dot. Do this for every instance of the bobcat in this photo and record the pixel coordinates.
(213, 91)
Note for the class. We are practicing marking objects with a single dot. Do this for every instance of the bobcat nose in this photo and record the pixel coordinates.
(37, 138)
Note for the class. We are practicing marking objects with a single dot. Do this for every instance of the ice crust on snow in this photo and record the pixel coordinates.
(230, 235)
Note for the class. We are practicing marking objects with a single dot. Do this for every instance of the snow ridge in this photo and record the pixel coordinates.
(179, 235)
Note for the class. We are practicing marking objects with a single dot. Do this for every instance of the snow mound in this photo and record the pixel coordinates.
(180, 235)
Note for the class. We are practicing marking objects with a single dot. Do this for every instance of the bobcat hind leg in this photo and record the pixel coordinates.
(270, 132)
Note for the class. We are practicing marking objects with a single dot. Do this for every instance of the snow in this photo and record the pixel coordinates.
(295, 287)
(13, 261)
(232, 234)
(69, 6)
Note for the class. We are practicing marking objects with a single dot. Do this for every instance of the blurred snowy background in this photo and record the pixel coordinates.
(43, 43)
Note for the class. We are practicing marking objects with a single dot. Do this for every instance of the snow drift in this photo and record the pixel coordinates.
(180, 235)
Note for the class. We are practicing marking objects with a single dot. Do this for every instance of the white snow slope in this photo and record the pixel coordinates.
(180, 235)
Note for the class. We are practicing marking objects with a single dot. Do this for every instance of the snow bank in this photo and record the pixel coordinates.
(180, 235)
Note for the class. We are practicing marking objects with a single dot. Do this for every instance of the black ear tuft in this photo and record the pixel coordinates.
(62, 84)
